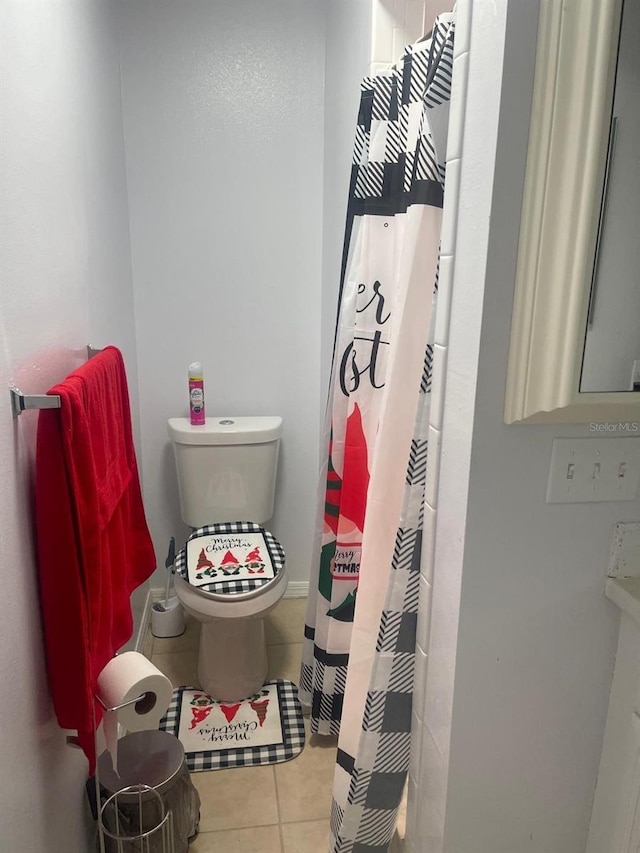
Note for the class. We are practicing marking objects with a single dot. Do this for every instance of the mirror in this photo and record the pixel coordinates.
(561, 224)
(612, 343)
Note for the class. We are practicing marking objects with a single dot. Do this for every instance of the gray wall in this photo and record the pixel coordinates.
(348, 54)
(66, 282)
(223, 114)
(227, 261)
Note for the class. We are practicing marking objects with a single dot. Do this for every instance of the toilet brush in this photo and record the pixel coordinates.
(169, 564)
(167, 617)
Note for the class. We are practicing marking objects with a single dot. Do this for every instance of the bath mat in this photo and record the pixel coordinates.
(266, 729)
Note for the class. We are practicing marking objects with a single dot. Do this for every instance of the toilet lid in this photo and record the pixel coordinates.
(230, 558)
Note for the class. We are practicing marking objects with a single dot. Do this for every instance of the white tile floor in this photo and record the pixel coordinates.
(281, 808)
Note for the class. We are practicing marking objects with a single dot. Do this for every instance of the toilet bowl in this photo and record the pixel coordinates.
(231, 573)
(232, 658)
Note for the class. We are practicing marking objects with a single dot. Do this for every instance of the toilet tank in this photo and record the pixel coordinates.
(226, 468)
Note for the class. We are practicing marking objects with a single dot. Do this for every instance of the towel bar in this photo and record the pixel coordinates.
(20, 401)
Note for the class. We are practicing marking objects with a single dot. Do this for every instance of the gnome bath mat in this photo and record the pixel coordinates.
(265, 729)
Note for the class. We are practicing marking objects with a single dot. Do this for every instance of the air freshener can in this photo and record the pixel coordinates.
(196, 394)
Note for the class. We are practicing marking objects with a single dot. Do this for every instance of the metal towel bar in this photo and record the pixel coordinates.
(20, 402)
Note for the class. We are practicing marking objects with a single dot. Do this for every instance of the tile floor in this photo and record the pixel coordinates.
(280, 808)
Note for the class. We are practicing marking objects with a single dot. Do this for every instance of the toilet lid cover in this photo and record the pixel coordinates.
(232, 558)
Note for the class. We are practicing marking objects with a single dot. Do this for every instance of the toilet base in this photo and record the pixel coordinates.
(232, 660)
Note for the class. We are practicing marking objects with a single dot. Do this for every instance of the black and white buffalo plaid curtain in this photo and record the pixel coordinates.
(358, 658)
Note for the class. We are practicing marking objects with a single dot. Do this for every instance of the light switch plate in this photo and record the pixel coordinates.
(594, 469)
(624, 558)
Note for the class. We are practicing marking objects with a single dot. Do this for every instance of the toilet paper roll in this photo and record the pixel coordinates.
(125, 677)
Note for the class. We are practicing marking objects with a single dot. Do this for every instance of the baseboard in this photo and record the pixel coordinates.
(397, 843)
(295, 589)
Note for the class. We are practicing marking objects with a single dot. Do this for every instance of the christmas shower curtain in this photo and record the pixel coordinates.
(358, 657)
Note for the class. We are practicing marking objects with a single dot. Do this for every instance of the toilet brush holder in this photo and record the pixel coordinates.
(167, 618)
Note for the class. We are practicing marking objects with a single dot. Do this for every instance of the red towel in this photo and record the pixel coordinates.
(94, 546)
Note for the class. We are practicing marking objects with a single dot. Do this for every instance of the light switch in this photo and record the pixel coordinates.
(594, 469)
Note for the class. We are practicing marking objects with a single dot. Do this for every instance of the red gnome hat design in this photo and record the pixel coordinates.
(202, 564)
(254, 561)
(230, 564)
(261, 710)
(230, 711)
(203, 707)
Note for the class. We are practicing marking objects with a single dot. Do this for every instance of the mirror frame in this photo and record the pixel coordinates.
(568, 138)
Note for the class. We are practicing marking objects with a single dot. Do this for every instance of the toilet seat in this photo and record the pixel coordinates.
(224, 587)
(232, 659)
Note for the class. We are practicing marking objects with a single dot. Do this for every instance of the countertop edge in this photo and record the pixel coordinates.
(625, 592)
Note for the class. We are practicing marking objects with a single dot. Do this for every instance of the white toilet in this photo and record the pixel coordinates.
(231, 572)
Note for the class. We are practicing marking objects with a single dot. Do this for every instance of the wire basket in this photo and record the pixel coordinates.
(135, 820)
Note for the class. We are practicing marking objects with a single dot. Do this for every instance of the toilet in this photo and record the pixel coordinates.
(231, 572)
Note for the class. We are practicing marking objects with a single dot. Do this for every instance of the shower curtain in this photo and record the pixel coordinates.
(358, 655)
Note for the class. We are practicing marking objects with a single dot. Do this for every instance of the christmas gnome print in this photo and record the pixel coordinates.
(259, 704)
(345, 503)
(230, 565)
(254, 562)
(202, 705)
(204, 567)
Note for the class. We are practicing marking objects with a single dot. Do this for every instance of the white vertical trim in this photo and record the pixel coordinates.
(145, 621)
(425, 817)
(396, 23)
